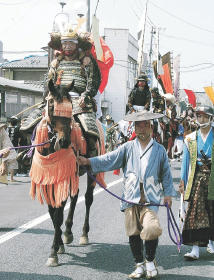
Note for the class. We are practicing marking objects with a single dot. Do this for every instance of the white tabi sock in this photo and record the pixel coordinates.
(139, 268)
(195, 250)
(211, 245)
(211, 242)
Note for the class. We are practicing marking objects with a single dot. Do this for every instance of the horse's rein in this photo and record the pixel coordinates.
(29, 146)
(171, 222)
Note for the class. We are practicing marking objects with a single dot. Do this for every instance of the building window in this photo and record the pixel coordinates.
(25, 99)
(11, 98)
(132, 72)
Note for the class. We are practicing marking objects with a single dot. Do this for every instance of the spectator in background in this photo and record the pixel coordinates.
(173, 131)
(22, 162)
(14, 135)
(111, 135)
(5, 143)
(179, 140)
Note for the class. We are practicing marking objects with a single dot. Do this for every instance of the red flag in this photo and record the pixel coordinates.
(167, 82)
(104, 65)
(164, 80)
(191, 97)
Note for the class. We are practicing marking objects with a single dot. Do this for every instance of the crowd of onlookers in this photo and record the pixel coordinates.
(15, 138)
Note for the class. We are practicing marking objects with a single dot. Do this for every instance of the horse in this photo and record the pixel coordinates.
(54, 171)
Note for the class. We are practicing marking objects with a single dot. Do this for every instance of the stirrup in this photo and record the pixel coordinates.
(137, 274)
(151, 269)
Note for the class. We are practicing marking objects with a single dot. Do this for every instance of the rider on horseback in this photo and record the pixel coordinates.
(140, 96)
(74, 64)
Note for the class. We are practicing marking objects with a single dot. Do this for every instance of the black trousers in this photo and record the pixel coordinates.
(136, 245)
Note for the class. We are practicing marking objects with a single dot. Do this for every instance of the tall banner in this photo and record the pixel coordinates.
(102, 53)
(191, 97)
(176, 66)
(165, 80)
(96, 38)
(210, 92)
(141, 34)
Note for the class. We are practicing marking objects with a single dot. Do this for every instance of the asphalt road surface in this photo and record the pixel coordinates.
(26, 235)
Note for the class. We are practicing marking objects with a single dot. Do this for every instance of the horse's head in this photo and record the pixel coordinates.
(59, 92)
(60, 112)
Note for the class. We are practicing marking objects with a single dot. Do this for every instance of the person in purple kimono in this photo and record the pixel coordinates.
(147, 177)
(197, 185)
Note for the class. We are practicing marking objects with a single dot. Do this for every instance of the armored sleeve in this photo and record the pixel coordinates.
(93, 78)
(131, 98)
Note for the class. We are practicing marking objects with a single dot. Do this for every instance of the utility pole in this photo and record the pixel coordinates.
(150, 57)
(88, 16)
(140, 61)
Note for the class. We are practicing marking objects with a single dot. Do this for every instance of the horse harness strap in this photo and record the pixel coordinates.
(146, 151)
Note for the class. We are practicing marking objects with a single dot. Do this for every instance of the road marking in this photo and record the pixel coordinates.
(11, 234)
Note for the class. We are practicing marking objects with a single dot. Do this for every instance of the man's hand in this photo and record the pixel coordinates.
(83, 161)
(3, 168)
(4, 153)
(181, 187)
(168, 200)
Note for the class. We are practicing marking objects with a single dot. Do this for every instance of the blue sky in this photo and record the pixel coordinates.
(26, 24)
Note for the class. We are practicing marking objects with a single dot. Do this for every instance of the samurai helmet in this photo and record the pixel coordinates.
(142, 77)
(70, 36)
(155, 90)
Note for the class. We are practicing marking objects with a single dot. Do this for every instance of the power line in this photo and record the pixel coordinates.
(196, 70)
(183, 20)
(96, 7)
(139, 5)
(20, 16)
(186, 39)
(150, 22)
(137, 16)
(14, 4)
(204, 63)
(20, 52)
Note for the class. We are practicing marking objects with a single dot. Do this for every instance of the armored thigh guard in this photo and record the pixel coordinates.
(88, 122)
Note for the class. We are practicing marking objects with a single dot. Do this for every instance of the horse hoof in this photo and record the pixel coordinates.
(83, 240)
(68, 238)
(52, 261)
(61, 249)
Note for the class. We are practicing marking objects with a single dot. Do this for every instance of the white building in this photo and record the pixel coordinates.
(123, 73)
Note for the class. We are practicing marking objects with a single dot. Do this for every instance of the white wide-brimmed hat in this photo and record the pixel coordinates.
(142, 116)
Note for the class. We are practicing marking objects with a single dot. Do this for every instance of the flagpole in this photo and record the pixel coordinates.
(88, 16)
(140, 62)
(158, 31)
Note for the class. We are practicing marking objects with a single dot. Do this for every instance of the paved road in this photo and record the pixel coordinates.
(26, 235)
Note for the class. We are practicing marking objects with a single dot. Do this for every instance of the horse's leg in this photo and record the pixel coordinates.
(91, 152)
(68, 235)
(56, 215)
(88, 202)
